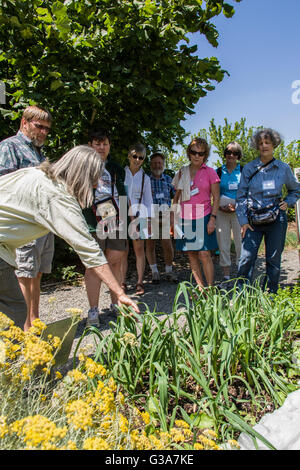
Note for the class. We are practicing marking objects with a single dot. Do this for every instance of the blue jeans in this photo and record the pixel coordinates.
(274, 235)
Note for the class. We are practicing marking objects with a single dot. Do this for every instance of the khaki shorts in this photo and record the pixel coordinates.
(12, 302)
(35, 257)
(111, 243)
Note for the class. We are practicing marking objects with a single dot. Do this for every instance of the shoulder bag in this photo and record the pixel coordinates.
(266, 215)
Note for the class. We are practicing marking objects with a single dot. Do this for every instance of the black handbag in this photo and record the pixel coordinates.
(265, 215)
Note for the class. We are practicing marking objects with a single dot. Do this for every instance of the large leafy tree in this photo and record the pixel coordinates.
(123, 64)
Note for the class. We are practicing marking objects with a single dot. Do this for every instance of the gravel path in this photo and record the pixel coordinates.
(159, 297)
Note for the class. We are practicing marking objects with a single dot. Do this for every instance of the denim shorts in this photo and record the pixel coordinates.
(35, 257)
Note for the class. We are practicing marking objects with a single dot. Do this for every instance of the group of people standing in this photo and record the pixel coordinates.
(244, 201)
(81, 195)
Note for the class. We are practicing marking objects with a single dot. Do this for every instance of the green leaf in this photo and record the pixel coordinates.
(202, 421)
(228, 10)
(150, 7)
(56, 84)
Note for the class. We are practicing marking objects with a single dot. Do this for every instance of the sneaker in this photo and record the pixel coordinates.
(172, 277)
(93, 317)
(155, 277)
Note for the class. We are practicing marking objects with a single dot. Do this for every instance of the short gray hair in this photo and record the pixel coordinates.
(36, 112)
(273, 135)
(80, 169)
(137, 148)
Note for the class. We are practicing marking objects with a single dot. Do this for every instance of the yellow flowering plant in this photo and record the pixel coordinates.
(83, 409)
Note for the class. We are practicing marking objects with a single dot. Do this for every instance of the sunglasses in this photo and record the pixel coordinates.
(137, 157)
(41, 127)
(201, 154)
(231, 152)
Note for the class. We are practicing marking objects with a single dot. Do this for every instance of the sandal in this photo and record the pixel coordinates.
(139, 289)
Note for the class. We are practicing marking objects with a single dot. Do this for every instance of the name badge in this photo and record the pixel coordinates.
(268, 185)
(194, 191)
(232, 186)
(159, 196)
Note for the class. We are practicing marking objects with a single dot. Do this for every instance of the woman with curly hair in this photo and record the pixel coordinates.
(261, 211)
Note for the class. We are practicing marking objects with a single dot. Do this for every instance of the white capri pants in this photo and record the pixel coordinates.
(227, 223)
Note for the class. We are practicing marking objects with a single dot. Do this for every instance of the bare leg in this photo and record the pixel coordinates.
(115, 260)
(150, 252)
(208, 266)
(168, 251)
(92, 285)
(195, 268)
(30, 287)
(138, 246)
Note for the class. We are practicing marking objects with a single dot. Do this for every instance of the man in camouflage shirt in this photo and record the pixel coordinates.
(20, 151)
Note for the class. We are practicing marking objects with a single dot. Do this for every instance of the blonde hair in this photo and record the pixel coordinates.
(80, 169)
(237, 147)
(198, 141)
(35, 112)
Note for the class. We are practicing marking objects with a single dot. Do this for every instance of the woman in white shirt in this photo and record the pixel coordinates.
(138, 187)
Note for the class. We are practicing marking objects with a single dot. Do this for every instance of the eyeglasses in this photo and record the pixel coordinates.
(201, 154)
(41, 127)
(231, 152)
(137, 157)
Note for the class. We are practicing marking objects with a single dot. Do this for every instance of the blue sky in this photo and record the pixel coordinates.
(260, 48)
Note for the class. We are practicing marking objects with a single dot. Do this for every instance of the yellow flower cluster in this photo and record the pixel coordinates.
(76, 376)
(75, 312)
(5, 322)
(3, 426)
(95, 443)
(91, 411)
(80, 414)
(39, 432)
(129, 339)
(93, 369)
(22, 353)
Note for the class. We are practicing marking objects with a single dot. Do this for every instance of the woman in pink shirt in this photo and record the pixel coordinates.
(197, 189)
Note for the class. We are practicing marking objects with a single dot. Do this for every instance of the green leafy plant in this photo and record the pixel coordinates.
(195, 362)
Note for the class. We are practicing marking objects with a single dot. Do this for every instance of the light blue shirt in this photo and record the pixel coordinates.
(265, 187)
(230, 181)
